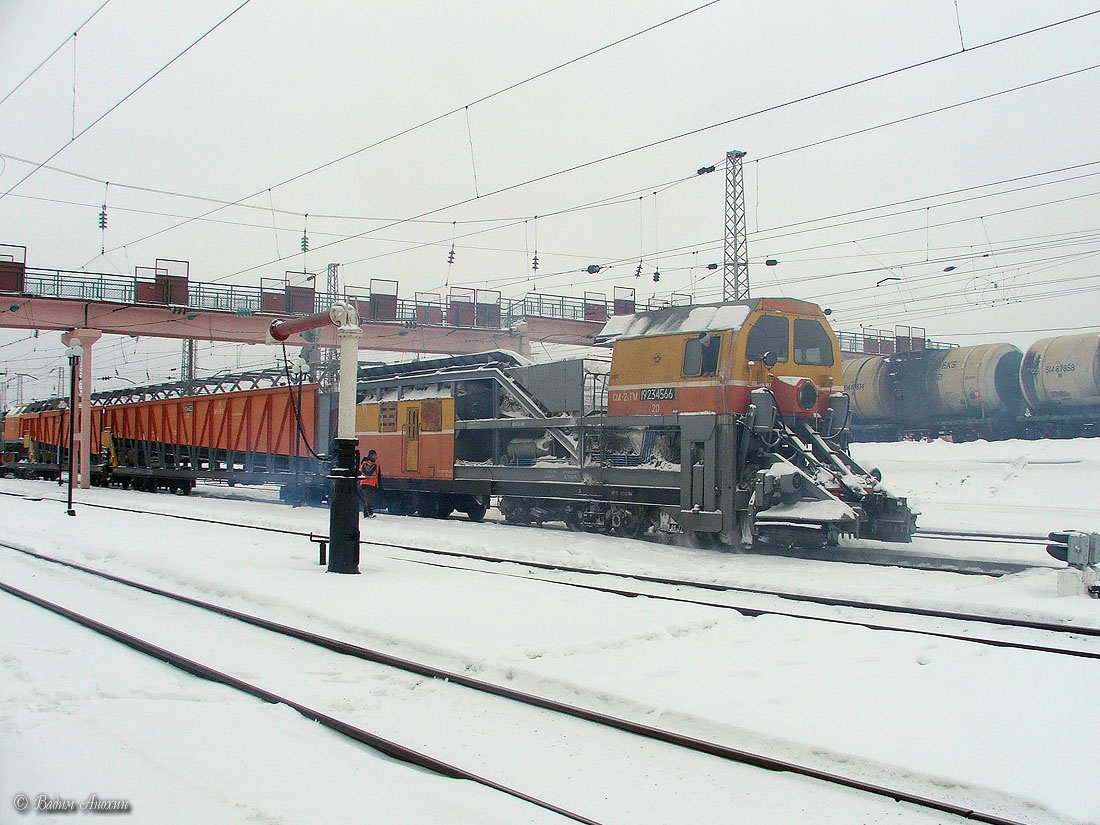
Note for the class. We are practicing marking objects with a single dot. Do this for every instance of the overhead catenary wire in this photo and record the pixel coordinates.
(669, 269)
(291, 212)
(849, 85)
(681, 135)
(563, 211)
(436, 118)
(60, 46)
(128, 95)
(715, 244)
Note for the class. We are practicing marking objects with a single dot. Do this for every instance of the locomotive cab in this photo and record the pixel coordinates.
(710, 358)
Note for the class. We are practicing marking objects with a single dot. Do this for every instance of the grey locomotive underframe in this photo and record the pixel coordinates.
(704, 498)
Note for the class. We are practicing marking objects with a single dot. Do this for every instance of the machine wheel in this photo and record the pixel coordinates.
(514, 512)
(402, 504)
(434, 506)
(704, 541)
(474, 507)
(631, 521)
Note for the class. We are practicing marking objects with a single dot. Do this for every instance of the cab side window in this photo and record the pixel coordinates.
(812, 344)
(769, 334)
(701, 354)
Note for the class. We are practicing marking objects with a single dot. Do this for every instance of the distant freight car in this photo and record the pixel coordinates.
(991, 391)
(1062, 373)
(170, 441)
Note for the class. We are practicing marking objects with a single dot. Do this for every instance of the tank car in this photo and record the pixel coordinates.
(1062, 373)
(992, 391)
(726, 421)
(967, 391)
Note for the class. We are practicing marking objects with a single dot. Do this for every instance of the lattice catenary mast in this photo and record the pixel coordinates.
(735, 284)
(330, 368)
(187, 360)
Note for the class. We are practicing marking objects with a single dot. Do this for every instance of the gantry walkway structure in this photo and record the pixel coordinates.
(161, 301)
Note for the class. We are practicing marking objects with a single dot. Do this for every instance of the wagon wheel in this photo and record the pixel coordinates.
(428, 505)
(632, 522)
(514, 512)
(435, 506)
(573, 521)
(475, 507)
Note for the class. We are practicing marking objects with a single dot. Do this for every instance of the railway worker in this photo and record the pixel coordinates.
(369, 476)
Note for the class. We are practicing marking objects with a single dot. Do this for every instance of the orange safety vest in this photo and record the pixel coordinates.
(369, 473)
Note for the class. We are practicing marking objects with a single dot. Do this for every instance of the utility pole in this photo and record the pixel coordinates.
(735, 283)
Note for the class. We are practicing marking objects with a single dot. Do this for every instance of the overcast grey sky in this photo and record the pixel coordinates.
(1005, 190)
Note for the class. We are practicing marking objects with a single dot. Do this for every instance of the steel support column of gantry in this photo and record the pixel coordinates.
(82, 416)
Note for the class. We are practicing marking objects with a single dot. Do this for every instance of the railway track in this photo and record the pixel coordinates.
(419, 756)
(954, 535)
(752, 609)
(897, 556)
(395, 750)
(962, 633)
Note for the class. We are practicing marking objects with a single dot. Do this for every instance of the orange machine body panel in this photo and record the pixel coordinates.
(11, 428)
(256, 421)
(46, 427)
(414, 437)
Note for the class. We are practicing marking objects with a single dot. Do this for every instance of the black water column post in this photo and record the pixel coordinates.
(343, 521)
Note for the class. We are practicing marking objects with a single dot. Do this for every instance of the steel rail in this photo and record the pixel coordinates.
(1011, 538)
(790, 595)
(826, 601)
(962, 568)
(372, 740)
(405, 754)
(760, 611)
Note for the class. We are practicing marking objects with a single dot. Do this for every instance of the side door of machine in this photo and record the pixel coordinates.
(412, 439)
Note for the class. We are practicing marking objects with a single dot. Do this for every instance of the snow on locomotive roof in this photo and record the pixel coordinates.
(678, 319)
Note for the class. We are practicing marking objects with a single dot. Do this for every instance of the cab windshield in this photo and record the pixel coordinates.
(769, 334)
(812, 344)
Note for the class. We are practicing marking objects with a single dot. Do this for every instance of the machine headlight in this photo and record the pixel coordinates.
(807, 396)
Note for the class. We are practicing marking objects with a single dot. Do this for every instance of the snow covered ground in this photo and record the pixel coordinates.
(1004, 731)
